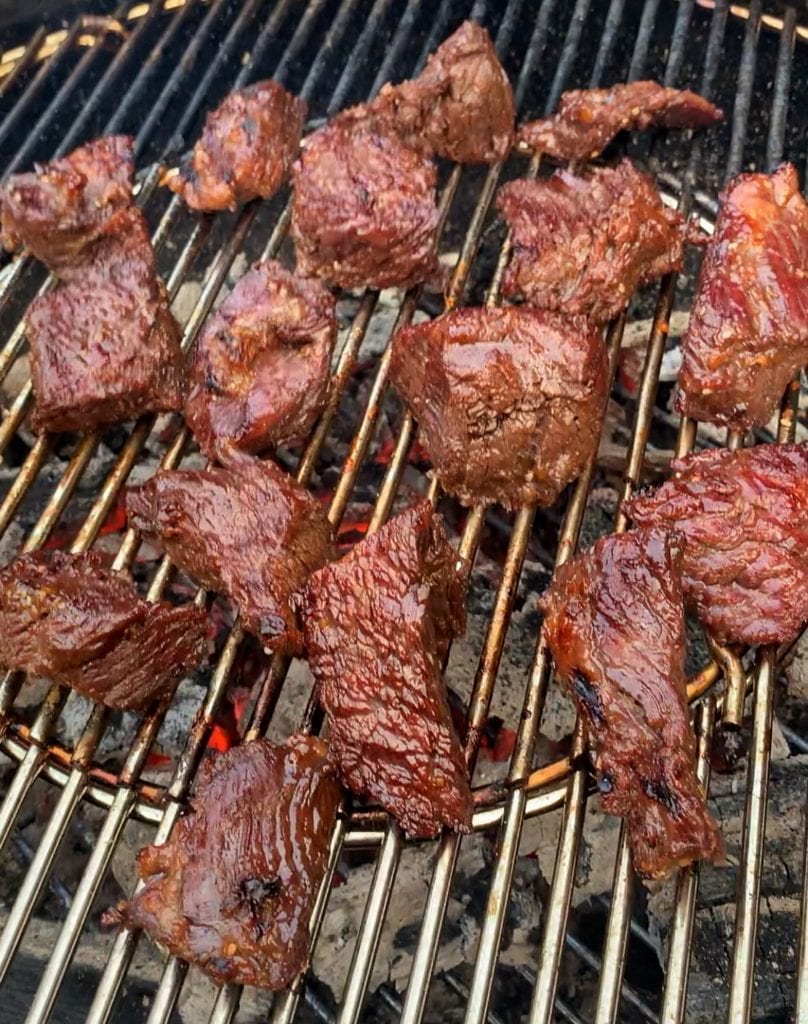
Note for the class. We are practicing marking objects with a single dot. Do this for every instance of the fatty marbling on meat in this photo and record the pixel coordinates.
(584, 243)
(377, 625)
(233, 888)
(247, 531)
(588, 119)
(364, 212)
(509, 401)
(246, 150)
(743, 520)
(748, 329)
(460, 107)
(70, 619)
(260, 369)
(614, 621)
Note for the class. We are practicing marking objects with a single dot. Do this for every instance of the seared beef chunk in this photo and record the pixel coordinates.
(261, 367)
(744, 519)
(364, 212)
(70, 619)
(246, 150)
(509, 401)
(584, 243)
(377, 625)
(233, 888)
(614, 621)
(588, 119)
(460, 106)
(249, 532)
(63, 207)
(104, 345)
(748, 330)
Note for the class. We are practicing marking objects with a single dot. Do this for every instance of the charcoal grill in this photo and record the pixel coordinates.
(153, 69)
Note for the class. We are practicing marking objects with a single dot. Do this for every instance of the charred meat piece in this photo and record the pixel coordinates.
(614, 621)
(261, 368)
(460, 106)
(583, 244)
(364, 212)
(63, 207)
(509, 401)
(748, 330)
(104, 346)
(377, 625)
(744, 519)
(246, 150)
(233, 888)
(75, 622)
(588, 119)
(249, 532)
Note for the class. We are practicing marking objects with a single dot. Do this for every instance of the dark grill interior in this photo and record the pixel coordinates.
(83, 786)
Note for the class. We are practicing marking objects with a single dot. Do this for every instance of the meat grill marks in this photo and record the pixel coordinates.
(60, 209)
(246, 149)
(104, 344)
(743, 518)
(614, 622)
(232, 889)
(583, 244)
(377, 625)
(68, 618)
(249, 532)
(260, 369)
(588, 119)
(460, 107)
(748, 329)
(364, 211)
(509, 401)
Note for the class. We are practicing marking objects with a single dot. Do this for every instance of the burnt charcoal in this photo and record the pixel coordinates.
(260, 369)
(68, 618)
(377, 624)
(364, 211)
(246, 150)
(743, 517)
(748, 329)
(588, 119)
(104, 345)
(584, 243)
(509, 401)
(615, 624)
(460, 107)
(61, 208)
(233, 888)
(248, 531)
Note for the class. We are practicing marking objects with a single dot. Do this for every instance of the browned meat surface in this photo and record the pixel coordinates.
(68, 618)
(364, 212)
(377, 625)
(260, 369)
(246, 150)
(588, 119)
(585, 243)
(614, 621)
(104, 345)
(249, 532)
(509, 401)
(744, 519)
(748, 330)
(233, 888)
(62, 207)
(460, 106)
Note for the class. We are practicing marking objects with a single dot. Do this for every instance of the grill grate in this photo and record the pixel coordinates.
(153, 70)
